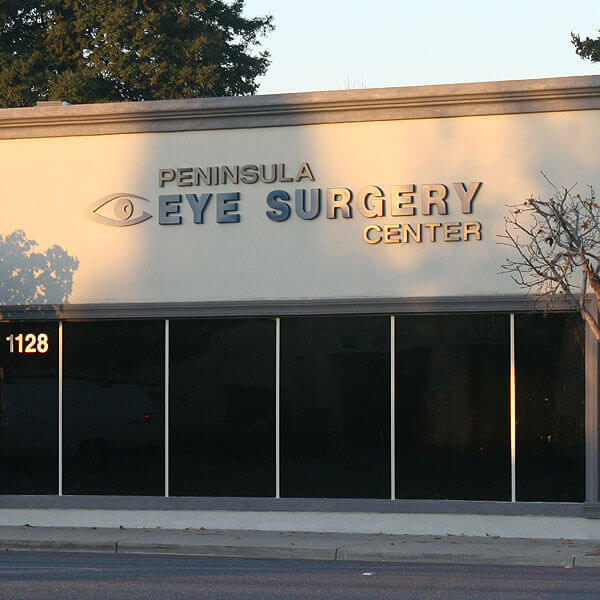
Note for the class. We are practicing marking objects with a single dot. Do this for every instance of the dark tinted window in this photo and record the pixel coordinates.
(29, 408)
(222, 407)
(550, 382)
(452, 407)
(335, 403)
(113, 408)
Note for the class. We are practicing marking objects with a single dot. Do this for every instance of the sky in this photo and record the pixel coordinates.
(345, 44)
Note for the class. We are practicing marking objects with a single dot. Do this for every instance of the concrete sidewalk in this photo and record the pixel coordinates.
(319, 545)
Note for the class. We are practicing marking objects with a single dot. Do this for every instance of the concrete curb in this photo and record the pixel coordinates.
(50, 546)
(227, 551)
(173, 549)
(340, 554)
(463, 559)
(587, 561)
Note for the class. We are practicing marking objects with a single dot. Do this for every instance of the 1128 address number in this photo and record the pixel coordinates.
(28, 343)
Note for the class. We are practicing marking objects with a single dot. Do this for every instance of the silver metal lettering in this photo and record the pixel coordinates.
(432, 229)
(434, 194)
(389, 231)
(304, 172)
(402, 198)
(229, 174)
(249, 174)
(184, 177)
(452, 232)
(201, 176)
(165, 175)
(198, 205)
(227, 207)
(263, 174)
(168, 209)
(281, 176)
(338, 199)
(374, 194)
(467, 194)
(315, 204)
(408, 231)
(367, 238)
(473, 228)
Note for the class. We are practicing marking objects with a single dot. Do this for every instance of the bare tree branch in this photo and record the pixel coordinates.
(555, 244)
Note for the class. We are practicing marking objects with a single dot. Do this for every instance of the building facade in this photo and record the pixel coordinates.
(287, 312)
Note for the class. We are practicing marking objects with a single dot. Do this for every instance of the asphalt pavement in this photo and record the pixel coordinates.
(77, 576)
(323, 545)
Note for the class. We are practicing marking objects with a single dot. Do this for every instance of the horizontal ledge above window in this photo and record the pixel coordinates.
(277, 308)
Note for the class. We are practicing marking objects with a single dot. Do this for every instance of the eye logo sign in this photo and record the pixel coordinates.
(123, 209)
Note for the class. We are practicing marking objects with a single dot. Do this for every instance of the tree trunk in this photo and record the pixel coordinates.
(591, 322)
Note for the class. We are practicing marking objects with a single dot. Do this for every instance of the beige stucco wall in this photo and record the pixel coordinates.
(47, 185)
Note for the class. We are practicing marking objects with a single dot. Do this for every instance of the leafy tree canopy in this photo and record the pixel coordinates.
(111, 50)
(587, 48)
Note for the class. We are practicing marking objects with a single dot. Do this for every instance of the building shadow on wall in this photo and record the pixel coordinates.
(32, 277)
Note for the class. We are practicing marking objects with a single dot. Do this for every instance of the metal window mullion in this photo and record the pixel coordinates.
(277, 408)
(513, 414)
(166, 408)
(591, 412)
(393, 407)
(60, 408)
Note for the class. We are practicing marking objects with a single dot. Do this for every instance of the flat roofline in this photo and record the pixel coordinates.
(277, 110)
